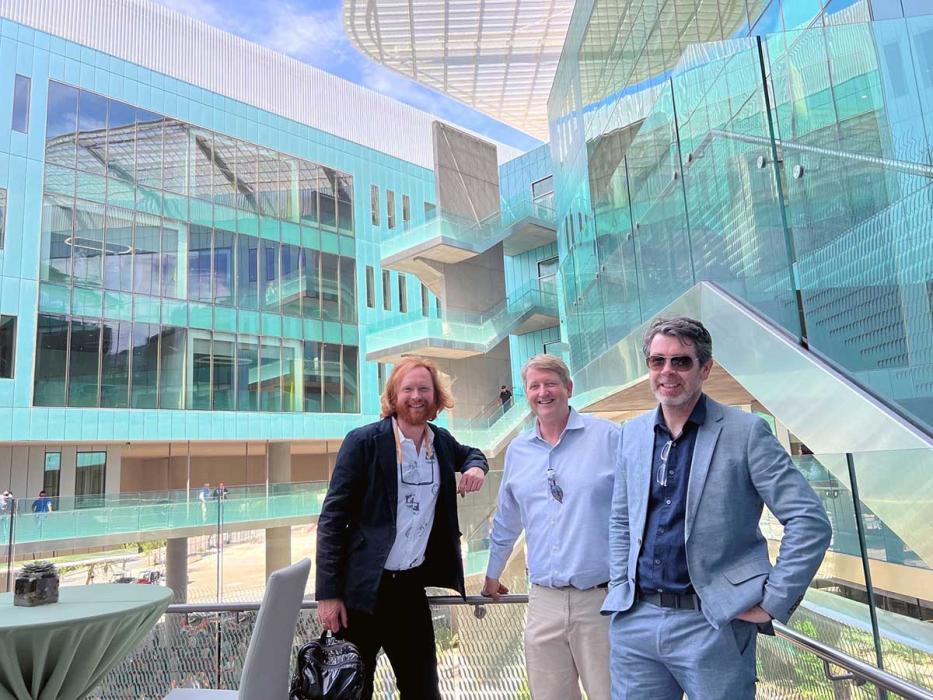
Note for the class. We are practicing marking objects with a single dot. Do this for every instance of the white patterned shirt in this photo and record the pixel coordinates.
(418, 485)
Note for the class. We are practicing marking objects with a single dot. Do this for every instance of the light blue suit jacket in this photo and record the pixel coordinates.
(738, 466)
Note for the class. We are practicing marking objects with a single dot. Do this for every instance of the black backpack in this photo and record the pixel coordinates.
(327, 669)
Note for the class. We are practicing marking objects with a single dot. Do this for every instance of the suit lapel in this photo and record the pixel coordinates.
(641, 479)
(388, 461)
(707, 436)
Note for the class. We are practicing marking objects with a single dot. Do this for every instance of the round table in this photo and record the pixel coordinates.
(62, 650)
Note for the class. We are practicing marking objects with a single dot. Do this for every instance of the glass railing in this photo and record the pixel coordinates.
(807, 196)
(481, 330)
(469, 233)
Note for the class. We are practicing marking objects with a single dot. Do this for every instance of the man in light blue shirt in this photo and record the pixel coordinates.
(557, 487)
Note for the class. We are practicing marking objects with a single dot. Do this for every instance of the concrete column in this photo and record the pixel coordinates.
(279, 539)
(176, 568)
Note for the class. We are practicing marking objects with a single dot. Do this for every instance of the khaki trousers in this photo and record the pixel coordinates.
(566, 643)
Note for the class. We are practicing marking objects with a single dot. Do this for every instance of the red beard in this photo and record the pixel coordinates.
(418, 418)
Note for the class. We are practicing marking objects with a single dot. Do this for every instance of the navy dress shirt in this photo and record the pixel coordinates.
(662, 563)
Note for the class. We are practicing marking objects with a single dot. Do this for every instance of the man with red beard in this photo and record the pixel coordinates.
(388, 528)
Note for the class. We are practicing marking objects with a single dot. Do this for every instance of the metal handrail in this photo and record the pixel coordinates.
(857, 671)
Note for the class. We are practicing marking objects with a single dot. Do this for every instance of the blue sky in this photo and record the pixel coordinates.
(312, 31)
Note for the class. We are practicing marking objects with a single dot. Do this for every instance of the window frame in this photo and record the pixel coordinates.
(20, 118)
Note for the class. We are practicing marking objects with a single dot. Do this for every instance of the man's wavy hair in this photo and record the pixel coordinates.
(442, 394)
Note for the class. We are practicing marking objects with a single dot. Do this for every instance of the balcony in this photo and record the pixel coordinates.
(457, 336)
(520, 226)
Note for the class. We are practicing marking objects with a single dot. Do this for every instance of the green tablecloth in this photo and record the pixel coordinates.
(61, 651)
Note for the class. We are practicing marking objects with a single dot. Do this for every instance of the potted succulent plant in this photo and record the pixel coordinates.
(36, 584)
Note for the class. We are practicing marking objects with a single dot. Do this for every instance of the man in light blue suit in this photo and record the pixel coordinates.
(690, 579)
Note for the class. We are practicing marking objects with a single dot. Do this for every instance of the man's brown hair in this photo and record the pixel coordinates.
(442, 395)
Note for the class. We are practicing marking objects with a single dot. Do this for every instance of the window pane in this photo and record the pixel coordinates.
(224, 170)
(149, 149)
(92, 126)
(370, 287)
(307, 192)
(222, 374)
(200, 158)
(248, 379)
(174, 156)
(291, 382)
(350, 391)
(115, 364)
(118, 248)
(268, 184)
(61, 124)
(327, 186)
(425, 308)
(145, 358)
(311, 269)
(348, 290)
(172, 363)
(269, 275)
(406, 212)
(87, 244)
(402, 293)
(292, 280)
(247, 275)
(21, 104)
(55, 263)
(83, 363)
(90, 475)
(345, 203)
(146, 260)
(386, 291)
(430, 211)
(390, 208)
(374, 204)
(173, 238)
(330, 289)
(223, 266)
(199, 386)
(121, 142)
(199, 263)
(270, 368)
(247, 177)
(7, 346)
(288, 182)
(51, 473)
(330, 365)
(313, 379)
(51, 360)
(542, 187)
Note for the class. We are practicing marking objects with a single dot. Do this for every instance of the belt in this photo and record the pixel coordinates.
(681, 601)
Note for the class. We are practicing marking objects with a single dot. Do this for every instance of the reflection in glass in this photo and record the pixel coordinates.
(21, 90)
(291, 382)
(199, 386)
(223, 375)
(348, 290)
(292, 280)
(330, 286)
(199, 263)
(327, 200)
(248, 379)
(61, 124)
(145, 357)
(118, 250)
(83, 363)
(175, 156)
(148, 149)
(331, 369)
(90, 479)
(121, 142)
(224, 170)
(345, 203)
(269, 275)
(173, 239)
(51, 360)
(224, 242)
(87, 244)
(146, 258)
(247, 277)
(201, 167)
(350, 372)
(57, 223)
(307, 192)
(172, 367)
(92, 130)
(313, 377)
(270, 369)
(311, 289)
(115, 364)
(268, 173)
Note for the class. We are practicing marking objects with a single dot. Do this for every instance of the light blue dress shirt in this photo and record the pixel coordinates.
(568, 542)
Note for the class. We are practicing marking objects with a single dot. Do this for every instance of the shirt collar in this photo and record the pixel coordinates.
(574, 422)
(400, 438)
(697, 415)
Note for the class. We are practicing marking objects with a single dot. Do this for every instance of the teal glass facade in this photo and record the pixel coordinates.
(792, 168)
(196, 259)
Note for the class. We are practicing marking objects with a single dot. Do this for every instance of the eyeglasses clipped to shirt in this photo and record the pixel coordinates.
(557, 493)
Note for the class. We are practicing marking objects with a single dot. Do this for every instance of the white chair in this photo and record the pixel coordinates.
(267, 669)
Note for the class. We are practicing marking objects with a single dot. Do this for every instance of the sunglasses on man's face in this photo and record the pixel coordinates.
(679, 363)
